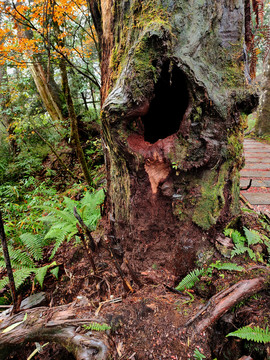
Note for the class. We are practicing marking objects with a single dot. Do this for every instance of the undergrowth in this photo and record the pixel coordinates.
(36, 216)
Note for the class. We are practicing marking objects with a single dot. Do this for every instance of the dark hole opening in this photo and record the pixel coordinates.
(168, 106)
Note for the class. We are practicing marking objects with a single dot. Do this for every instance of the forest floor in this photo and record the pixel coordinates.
(149, 323)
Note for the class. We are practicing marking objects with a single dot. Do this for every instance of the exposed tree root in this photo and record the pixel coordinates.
(62, 325)
(220, 303)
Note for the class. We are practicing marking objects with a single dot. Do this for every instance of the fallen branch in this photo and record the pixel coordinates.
(62, 325)
(220, 303)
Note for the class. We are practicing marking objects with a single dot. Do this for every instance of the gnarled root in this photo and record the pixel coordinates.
(62, 325)
(220, 303)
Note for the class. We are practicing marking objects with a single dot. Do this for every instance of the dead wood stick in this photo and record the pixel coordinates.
(85, 229)
(126, 283)
(86, 248)
(16, 304)
(133, 274)
(220, 303)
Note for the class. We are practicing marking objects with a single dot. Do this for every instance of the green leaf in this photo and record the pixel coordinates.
(13, 326)
(227, 266)
(256, 334)
(189, 281)
(253, 237)
(198, 355)
(55, 272)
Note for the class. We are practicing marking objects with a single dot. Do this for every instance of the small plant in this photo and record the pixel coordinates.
(198, 355)
(251, 237)
(63, 224)
(256, 334)
(190, 280)
(226, 266)
(23, 265)
(94, 326)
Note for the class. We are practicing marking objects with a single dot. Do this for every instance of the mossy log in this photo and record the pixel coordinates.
(173, 95)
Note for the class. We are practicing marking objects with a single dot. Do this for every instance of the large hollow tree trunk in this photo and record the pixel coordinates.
(263, 123)
(173, 89)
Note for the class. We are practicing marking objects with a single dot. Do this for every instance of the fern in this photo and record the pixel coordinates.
(227, 266)
(19, 259)
(63, 222)
(256, 334)
(241, 249)
(198, 355)
(253, 237)
(19, 277)
(97, 327)
(41, 273)
(34, 244)
(189, 281)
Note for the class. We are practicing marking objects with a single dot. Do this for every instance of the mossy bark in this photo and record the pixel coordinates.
(173, 89)
(263, 124)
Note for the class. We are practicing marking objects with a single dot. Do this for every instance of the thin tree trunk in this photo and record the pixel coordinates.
(45, 93)
(75, 139)
(16, 305)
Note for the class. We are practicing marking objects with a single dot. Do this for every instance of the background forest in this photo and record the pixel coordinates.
(50, 149)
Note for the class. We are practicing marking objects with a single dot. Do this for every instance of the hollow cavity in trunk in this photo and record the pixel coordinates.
(168, 106)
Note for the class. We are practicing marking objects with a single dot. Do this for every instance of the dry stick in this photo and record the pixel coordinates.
(85, 229)
(133, 274)
(90, 238)
(126, 283)
(16, 305)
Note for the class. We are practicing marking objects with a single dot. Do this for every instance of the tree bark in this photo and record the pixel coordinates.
(263, 124)
(173, 90)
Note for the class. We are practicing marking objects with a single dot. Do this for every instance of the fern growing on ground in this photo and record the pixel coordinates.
(63, 222)
(23, 265)
(256, 334)
(189, 281)
(226, 266)
(251, 237)
(198, 355)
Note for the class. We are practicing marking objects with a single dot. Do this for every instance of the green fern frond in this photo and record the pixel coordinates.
(4, 282)
(253, 237)
(189, 281)
(97, 327)
(240, 249)
(19, 277)
(41, 273)
(60, 214)
(59, 241)
(198, 355)
(256, 334)
(19, 258)
(227, 266)
(70, 203)
(34, 244)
